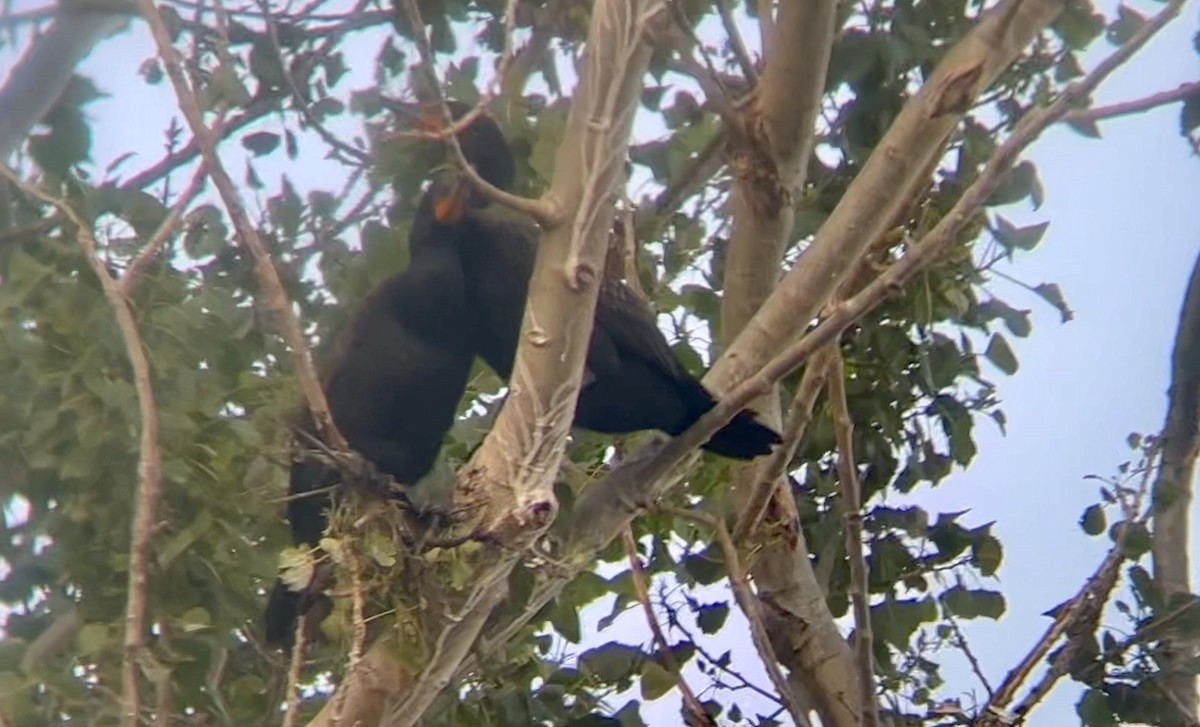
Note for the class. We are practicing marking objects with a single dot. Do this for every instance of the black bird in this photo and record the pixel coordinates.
(393, 388)
(632, 380)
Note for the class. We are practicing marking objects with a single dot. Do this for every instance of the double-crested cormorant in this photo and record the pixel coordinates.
(632, 380)
(393, 389)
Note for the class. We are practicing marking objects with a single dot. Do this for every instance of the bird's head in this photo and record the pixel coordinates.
(484, 147)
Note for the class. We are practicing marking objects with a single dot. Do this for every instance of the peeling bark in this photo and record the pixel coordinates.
(771, 153)
(1173, 489)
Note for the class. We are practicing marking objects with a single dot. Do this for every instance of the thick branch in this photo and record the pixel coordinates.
(771, 152)
(43, 72)
(1173, 487)
(522, 452)
(869, 203)
(605, 507)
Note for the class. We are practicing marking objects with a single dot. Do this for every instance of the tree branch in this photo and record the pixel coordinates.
(1136, 106)
(268, 277)
(852, 514)
(149, 490)
(1172, 493)
(607, 505)
(869, 203)
(750, 608)
(544, 210)
(37, 81)
(771, 472)
(691, 704)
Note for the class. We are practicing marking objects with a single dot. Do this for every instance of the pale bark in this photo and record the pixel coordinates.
(1173, 488)
(906, 152)
(44, 70)
(509, 480)
(771, 153)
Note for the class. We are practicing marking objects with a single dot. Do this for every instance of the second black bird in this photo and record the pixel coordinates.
(393, 388)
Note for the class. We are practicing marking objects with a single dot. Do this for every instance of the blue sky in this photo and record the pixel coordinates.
(1124, 233)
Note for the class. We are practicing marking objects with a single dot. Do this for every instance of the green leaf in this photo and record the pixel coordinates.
(1137, 538)
(987, 554)
(195, 619)
(1052, 294)
(1189, 114)
(225, 89)
(261, 143)
(1145, 588)
(93, 639)
(326, 107)
(703, 568)
(611, 662)
(1093, 709)
(896, 621)
(1093, 520)
(205, 232)
(564, 617)
(1019, 238)
(1017, 321)
(656, 680)
(1078, 25)
(1087, 128)
(1001, 354)
(1128, 22)
(711, 617)
(1019, 183)
(974, 603)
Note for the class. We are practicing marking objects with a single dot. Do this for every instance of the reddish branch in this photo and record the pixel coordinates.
(1137, 106)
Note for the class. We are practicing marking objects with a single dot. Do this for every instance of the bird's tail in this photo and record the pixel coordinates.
(742, 438)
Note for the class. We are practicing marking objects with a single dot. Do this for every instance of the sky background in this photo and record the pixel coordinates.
(1124, 233)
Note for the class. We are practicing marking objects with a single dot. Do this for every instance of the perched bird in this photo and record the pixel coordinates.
(393, 388)
(632, 380)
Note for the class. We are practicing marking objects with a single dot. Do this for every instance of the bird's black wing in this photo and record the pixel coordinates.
(633, 328)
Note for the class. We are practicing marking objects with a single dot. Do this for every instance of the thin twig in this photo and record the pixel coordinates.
(852, 506)
(750, 608)
(771, 471)
(1137, 106)
(543, 210)
(736, 42)
(178, 158)
(1076, 613)
(268, 277)
(358, 606)
(920, 254)
(360, 158)
(149, 490)
(690, 702)
(960, 642)
(293, 676)
(165, 230)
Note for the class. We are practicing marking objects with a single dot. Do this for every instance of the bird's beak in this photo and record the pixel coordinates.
(452, 206)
